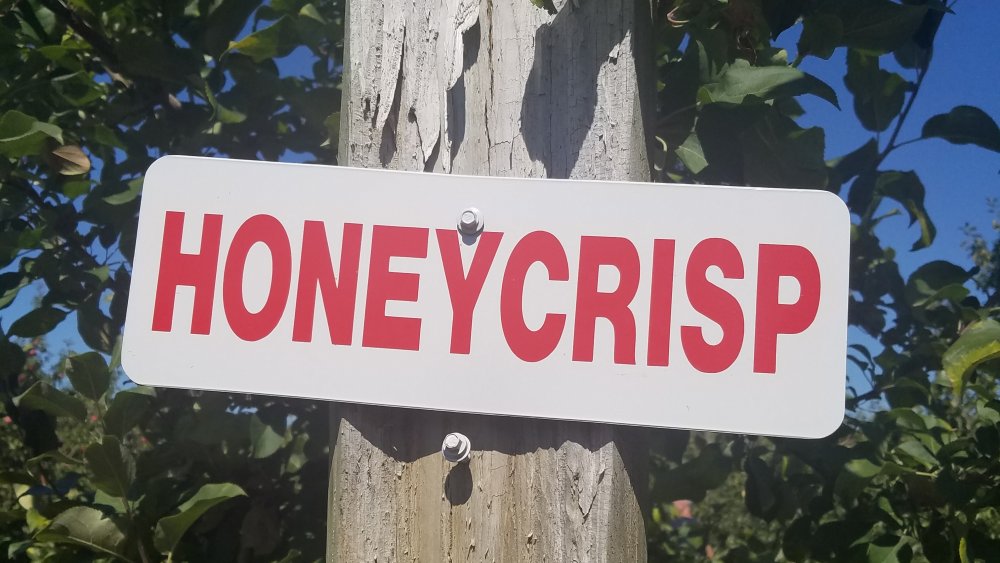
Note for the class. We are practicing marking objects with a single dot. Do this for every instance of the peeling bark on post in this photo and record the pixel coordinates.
(501, 88)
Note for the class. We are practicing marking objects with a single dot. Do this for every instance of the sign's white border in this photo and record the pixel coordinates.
(803, 398)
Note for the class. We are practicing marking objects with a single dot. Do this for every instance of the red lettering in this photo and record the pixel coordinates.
(660, 303)
(613, 306)
(195, 270)
(381, 331)
(267, 230)
(716, 304)
(531, 345)
(464, 289)
(316, 272)
(774, 318)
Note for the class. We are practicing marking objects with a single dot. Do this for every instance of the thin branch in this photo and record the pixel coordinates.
(871, 395)
(891, 145)
(910, 142)
(104, 49)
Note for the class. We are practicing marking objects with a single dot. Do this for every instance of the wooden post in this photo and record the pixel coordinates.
(490, 87)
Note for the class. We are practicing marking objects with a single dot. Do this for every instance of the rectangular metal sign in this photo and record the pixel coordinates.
(703, 307)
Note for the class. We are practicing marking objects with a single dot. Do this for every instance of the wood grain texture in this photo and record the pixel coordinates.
(532, 490)
(533, 95)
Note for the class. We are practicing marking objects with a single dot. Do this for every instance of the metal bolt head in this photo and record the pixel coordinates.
(456, 447)
(470, 222)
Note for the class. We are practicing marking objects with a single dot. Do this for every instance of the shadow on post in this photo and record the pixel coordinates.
(560, 96)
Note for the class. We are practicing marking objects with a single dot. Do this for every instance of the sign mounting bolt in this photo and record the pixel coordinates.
(456, 447)
(470, 222)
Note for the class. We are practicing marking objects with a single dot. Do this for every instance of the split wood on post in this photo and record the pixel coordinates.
(502, 89)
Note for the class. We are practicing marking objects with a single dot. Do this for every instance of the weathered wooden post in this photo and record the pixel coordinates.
(503, 89)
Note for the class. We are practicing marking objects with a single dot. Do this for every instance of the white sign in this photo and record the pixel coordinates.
(659, 305)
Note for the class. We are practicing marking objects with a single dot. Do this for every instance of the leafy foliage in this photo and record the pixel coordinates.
(91, 92)
(912, 473)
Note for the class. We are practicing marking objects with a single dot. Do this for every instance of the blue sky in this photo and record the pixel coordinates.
(958, 179)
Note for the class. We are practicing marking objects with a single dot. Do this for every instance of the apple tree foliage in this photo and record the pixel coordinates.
(94, 468)
(91, 92)
(913, 473)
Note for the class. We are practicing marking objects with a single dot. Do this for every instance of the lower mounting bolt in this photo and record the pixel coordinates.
(456, 447)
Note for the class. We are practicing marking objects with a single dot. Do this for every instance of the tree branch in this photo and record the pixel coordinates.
(104, 49)
(891, 145)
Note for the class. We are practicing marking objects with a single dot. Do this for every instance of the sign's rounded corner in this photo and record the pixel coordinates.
(124, 361)
(839, 204)
(828, 425)
(163, 161)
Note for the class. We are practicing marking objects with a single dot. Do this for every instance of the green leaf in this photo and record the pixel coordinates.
(12, 359)
(885, 505)
(879, 552)
(691, 155)
(222, 113)
(821, 35)
(979, 343)
(224, 21)
(907, 189)
(292, 556)
(76, 187)
(127, 409)
(132, 191)
(795, 540)
(89, 528)
(332, 124)
(965, 125)
(264, 440)
(929, 280)
(778, 153)
(112, 466)
(105, 135)
(21, 134)
(741, 80)
(276, 40)
(11, 283)
(96, 328)
(781, 14)
(863, 468)
(310, 26)
(692, 479)
(38, 322)
(53, 455)
(878, 94)
(310, 11)
(760, 498)
(855, 477)
(852, 164)
(297, 456)
(879, 26)
(717, 126)
(114, 503)
(89, 374)
(43, 397)
(170, 529)
(145, 55)
(915, 451)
